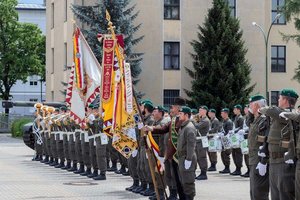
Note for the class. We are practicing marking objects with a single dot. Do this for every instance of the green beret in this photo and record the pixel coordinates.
(212, 110)
(186, 110)
(63, 108)
(289, 93)
(204, 107)
(256, 97)
(160, 108)
(91, 106)
(194, 111)
(56, 109)
(148, 104)
(238, 106)
(146, 101)
(225, 110)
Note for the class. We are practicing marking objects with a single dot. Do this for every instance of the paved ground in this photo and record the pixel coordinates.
(21, 178)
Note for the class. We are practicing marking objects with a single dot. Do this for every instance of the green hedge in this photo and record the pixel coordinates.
(17, 126)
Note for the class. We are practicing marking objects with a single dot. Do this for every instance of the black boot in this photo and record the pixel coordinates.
(107, 164)
(189, 197)
(161, 195)
(46, 159)
(143, 187)
(88, 171)
(113, 167)
(134, 185)
(150, 191)
(68, 166)
(60, 165)
(202, 176)
(80, 170)
(226, 170)
(212, 168)
(246, 175)
(54, 163)
(101, 176)
(94, 174)
(74, 168)
(173, 194)
(121, 171)
(35, 158)
(237, 172)
(126, 173)
(51, 160)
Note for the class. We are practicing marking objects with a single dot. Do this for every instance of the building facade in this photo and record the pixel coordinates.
(30, 11)
(168, 32)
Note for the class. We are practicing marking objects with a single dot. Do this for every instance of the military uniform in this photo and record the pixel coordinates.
(225, 154)
(236, 152)
(203, 128)
(78, 149)
(259, 185)
(186, 151)
(282, 175)
(215, 127)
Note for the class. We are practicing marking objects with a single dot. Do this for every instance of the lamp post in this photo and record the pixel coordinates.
(266, 38)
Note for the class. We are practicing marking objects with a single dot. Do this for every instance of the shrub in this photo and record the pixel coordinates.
(17, 125)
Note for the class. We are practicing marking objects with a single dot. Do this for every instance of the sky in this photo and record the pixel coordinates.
(31, 1)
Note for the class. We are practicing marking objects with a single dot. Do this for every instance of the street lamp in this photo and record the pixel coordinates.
(266, 38)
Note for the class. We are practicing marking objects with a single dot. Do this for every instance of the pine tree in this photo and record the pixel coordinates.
(221, 73)
(122, 16)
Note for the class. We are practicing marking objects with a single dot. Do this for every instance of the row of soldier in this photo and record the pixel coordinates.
(179, 164)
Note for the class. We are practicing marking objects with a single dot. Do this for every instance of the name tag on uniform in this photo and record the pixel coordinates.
(104, 138)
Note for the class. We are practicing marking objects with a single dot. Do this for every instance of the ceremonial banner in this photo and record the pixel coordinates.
(79, 73)
(70, 86)
(155, 148)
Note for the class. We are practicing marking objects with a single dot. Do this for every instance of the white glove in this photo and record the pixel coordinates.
(282, 115)
(262, 169)
(261, 154)
(187, 164)
(161, 159)
(162, 163)
(289, 161)
(134, 153)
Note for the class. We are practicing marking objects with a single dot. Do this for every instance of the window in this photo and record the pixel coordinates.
(52, 15)
(232, 7)
(274, 98)
(34, 100)
(32, 82)
(276, 9)
(171, 55)
(169, 96)
(171, 9)
(278, 57)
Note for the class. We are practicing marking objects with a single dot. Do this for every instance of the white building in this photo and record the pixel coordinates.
(31, 11)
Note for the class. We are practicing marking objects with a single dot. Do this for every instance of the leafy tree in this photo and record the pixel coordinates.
(22, 49)
(122, 16)
(291, 11)
(221, 73)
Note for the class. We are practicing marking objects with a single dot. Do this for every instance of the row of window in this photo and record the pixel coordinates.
(172, 55)
(172, 10)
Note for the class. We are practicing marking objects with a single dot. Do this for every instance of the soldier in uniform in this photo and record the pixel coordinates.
(70, 126)
(158, 115)
(171, 166)
(202, 129)
(215, 128)
(187, 161)
(281, 174)
(59, 141)
(38, 138)
(295, 116)
(100, 146)
(246, 129)
(236, 152)
(225, 154)
(52, 138)
(259, 181)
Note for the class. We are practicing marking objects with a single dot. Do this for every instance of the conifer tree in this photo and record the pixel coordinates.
(220, 73)
(122, 16)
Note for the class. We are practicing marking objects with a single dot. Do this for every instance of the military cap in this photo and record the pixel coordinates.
(63, 108)
(225, 110)
(91, 106)
(185, 109)
(289, 93)
(194, 111)
(204, 107)
(148, 104)
(160, 108)
(238, 106)
(212, 110)
(145, 101)
(179, 101)
(256, 97)
(56, 109)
